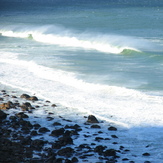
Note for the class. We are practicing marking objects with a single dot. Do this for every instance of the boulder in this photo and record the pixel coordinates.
(34, 133)
(95, 126)
(37, 144)
(110, 152)
(53, 105)
(43, 130)
(92, 119)
(111, 128)
(33, 98)
(99, 149)
(58, 132)
(27, 97)
(36, 126)
(26, 106)
(8, 105)
(22, 115)
(65, 140)
(57, 124)
(67, 152)
(74, 159)
(146, 154)
(2, 115)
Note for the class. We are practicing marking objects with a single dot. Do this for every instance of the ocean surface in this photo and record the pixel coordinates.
(94, 57)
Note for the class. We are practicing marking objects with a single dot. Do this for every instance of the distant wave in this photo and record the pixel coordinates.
(63, 37)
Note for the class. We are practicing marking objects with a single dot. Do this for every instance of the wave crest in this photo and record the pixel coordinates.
(60, 36)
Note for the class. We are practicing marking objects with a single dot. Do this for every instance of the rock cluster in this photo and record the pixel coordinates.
(20, 139)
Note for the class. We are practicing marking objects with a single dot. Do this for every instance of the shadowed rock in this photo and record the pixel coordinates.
(8, 105)
(67, 152)
(27, 97)
(111, 128)
(92, 119)
(58, 132)
(2, 115)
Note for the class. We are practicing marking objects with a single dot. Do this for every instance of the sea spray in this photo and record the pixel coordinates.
(103, 43)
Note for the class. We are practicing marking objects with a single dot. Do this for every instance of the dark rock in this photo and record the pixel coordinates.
(110, 152)
(59, 160)
(74, 159)
(34, 133)
(50, 113)
(33, 98)
(56, 145)
(95, 126)
(98, 138)
(1, 99)
(37, 144)
(53, 105)
(8, 105)
(146, 154)
(50, 118)
(25, 124)
(58, 132)
(26, 140)
(75, 127)
(14, 97)
(111, 128)
(68, 161)
(125, 159)
(114, 143)
(92, 119)
(36, 126)
(114, 136)
(22, 115)
(26, 106)
(2, 115)
(25, 96)
(65, 140)
(13, 118)
(99, 149)
(121, 147)
(44, 130)
(56, 124)
(67, 152)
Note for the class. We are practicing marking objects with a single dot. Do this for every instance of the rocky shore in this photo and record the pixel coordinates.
(30, 138)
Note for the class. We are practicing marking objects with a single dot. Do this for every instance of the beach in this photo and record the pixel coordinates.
(27, 136)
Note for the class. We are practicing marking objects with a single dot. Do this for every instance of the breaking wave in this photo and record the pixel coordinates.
(66, 38)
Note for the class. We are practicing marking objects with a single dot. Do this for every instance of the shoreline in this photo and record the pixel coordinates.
(31, 132)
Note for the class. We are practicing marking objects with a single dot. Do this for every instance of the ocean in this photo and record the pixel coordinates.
(92, 57)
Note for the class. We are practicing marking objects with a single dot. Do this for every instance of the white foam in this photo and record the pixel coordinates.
(60, 36)
(126, 107)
